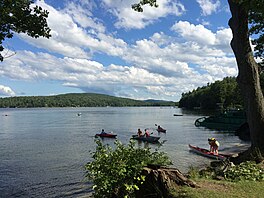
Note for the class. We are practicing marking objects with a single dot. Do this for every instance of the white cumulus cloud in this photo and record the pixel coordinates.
(193, 32)
(75, 34)
(208, 6)
(161, 65)
(203, 36)
(130, 19)
(6, 91)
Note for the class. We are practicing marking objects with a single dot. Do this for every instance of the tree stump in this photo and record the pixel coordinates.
(160, 180)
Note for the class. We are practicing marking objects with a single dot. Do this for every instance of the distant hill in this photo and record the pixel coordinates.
(160, 102)
(153, 100)
(77, 100)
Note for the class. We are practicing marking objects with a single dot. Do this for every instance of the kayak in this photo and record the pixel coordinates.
(161, 130)
(151, 139)
(206, 153)
(109, 135)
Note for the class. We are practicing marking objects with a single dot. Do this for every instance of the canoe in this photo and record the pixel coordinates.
(161, 130)
(151, 139)
(109, 135)
(206, 153)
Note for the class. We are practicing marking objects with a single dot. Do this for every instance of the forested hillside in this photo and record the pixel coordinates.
(76, 100)
(223, 93)
(219, 94)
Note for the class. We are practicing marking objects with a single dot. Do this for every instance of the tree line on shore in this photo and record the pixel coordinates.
(77, 100)
(220, 94)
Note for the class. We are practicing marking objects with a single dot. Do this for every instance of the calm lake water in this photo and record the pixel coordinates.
(43, 151)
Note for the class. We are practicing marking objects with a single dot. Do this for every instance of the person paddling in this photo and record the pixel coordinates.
(139, 133)
(147, 133)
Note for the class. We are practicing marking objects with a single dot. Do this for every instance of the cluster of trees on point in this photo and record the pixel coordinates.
(76, 100)
(219, 94)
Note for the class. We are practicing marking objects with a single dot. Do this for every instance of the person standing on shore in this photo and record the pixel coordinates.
(214, 145)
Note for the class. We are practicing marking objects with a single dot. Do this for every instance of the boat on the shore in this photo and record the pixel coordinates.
(206, 153)
(150, 139)
(228, 121)
(108, 135)
(177, 114)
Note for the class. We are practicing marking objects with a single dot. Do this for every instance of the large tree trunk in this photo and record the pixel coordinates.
(160, 181)
(248, 76)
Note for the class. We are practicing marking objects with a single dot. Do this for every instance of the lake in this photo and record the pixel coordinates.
(43, 150)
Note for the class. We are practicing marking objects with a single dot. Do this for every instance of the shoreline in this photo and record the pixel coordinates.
(235, 149)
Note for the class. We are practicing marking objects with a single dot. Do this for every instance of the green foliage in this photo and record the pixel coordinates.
(256, 20)
(118, 171)
(18, 16)
(225, 92)
(77, 100)
(255, 10)
(193, 172)
(204, 173)
(245, 171)
(139, 6)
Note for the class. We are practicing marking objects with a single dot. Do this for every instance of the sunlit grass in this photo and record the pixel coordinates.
(219, 189)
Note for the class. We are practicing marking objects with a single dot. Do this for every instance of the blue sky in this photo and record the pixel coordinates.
(106, 47)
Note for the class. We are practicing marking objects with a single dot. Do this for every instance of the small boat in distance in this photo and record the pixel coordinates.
(206, 153)
(150, 139)
(177, 114)
(108, 135)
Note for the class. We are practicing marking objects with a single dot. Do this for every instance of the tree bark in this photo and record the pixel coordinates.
(248, 74)
(160, 181)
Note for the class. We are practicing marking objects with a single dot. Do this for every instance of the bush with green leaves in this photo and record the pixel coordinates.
(245, 171)
(117, 172)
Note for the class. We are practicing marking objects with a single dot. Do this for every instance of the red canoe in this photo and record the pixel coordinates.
(206, 153)
(109, 135)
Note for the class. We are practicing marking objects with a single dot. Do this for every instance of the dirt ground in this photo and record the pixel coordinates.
(219, 187)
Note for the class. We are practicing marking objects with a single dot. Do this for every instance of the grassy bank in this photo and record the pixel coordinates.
(219, 189)
(245, 180)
